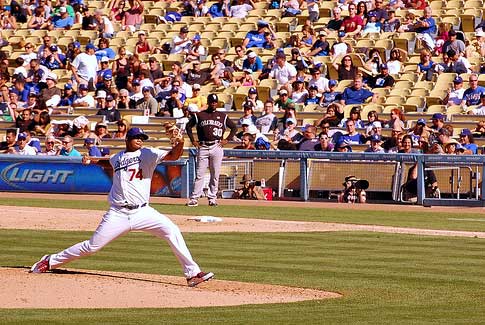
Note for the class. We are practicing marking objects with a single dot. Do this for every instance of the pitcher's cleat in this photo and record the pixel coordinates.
(199, 278)
(41, 266)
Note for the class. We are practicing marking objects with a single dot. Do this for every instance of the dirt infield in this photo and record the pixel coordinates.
(97, 289)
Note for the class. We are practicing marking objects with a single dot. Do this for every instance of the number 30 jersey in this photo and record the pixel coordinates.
(132, 175)
(211, 125)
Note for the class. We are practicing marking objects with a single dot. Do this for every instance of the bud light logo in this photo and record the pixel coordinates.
(16, 174)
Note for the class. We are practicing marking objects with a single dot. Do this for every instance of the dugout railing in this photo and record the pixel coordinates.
(288, 172)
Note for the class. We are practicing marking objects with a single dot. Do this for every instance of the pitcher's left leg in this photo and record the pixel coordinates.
(150, 220)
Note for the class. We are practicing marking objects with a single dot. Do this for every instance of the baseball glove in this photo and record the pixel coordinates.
(173, 133)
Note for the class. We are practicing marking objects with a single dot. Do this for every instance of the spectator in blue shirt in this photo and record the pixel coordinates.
(219, 9)
(68, 96)
(104, 50)
(253, 62)
(425, 29)
(356, 94)
(321, 47)
(64, 21)
(93, 150)
(255, 38)
(467, 141)
(52, 58)
(471, 96)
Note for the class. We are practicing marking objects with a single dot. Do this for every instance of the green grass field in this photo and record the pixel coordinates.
(385, 278)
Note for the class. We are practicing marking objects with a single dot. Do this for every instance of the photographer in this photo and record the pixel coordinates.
(374, 61)
(251, 189)
(354, 190)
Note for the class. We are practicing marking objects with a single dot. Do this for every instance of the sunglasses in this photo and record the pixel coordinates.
(50, 142)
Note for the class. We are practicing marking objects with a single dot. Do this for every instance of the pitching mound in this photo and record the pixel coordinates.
(98, 289)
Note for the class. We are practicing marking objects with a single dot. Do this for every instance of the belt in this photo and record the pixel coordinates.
(133, 206)
(209, 143)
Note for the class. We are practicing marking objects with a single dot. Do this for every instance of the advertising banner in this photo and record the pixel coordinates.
(48, 174)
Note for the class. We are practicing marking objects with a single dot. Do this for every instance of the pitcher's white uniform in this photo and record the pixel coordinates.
(129, 196)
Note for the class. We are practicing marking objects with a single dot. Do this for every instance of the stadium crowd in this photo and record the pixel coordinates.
(322, 60)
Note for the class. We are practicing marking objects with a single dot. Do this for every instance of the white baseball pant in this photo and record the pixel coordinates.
(208, 156)
(119, 221)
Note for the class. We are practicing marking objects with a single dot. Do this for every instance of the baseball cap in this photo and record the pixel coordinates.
(466, 132)
(184, 29)
(437, 116)
(146, 88)
(68, 86)
(283, 92)
(246, 121)
(195, 86)
(62, 9)
(104, 151)
(142, 32)
(376, 124)
(322, 33)
(479, 33)
(252, 90)
(196, 37)
(109, 98)
(458, 80)
(375, 138)
(83, 87)
(460, 147)
(101, 94)
(212, 98)
(104, 59)
(252, 55)
(452, 33)
(174, 90)
(421, 121)
(22, 136)
(291, 120)
(136, 133)
(53, 48)
(89, 141)
(101, 125)
(300, 79)
(262, 23)
(51, 76)
(332, 82)
(341, 33)
(135, 82)
(384, 66)
(107, 75)
(313, 87)
(247, 106)
(90, 46)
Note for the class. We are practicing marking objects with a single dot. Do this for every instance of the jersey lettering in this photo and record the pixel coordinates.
(135, 173)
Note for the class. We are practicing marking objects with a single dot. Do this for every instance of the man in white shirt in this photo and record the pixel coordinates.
(181, 41)
(283, 72)
(84, 67)
(22, 148)
(318, 80)
(455, 95)
(84, 99)
(241, 9)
